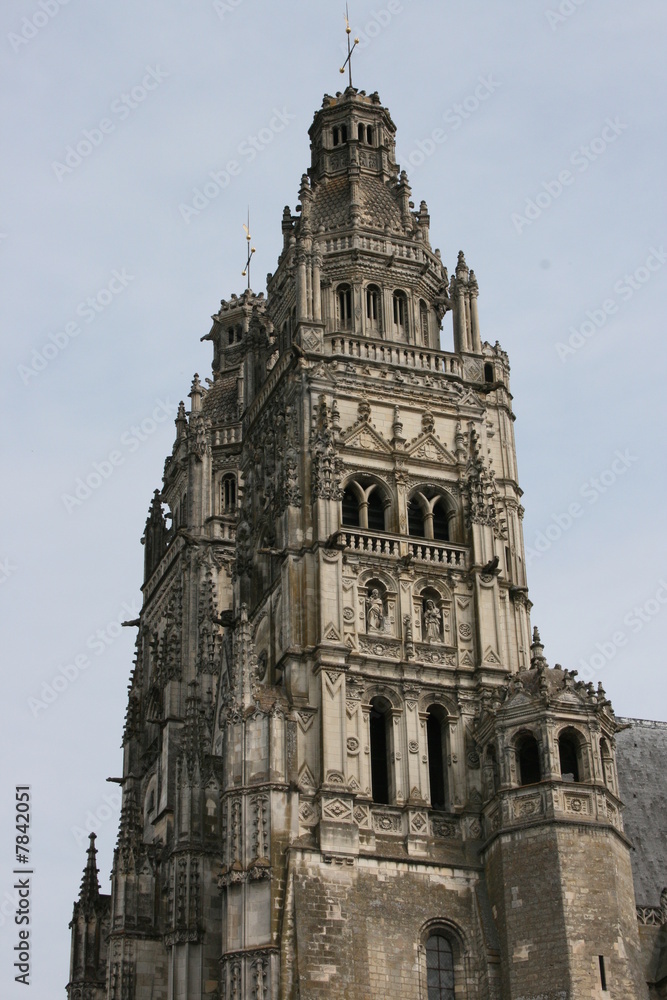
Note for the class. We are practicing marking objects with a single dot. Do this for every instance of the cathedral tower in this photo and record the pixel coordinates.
(347, 770)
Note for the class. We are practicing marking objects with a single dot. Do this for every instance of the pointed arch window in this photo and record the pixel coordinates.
(568, 756)
(436, 740)
(428, 515)
(229, 493)
(439, 968)
(379, 742)
(344, 303)
(351, 508)
(400, 303)
(375, 511)
(423, 322)
(373, 317)
(530, 771)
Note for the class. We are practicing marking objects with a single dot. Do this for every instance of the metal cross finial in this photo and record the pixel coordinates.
(350, 50)
(251, 250)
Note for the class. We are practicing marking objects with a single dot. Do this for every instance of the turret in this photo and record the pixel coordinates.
(90, 928)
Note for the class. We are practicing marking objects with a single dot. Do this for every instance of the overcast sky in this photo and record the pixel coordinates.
(548, 171)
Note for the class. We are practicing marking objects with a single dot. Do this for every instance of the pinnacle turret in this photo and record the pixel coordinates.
(89, 892)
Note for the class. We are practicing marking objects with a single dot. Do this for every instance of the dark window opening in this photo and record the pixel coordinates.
(343, 133)
(229, 494)
(350, 509)
(603, 972)
(569, 759)
(529, 761)
(360, 132)
(369, 135)
(230, 335)
(336, 136)
(440, 522)
(436, 760)
(345, 307)
(423, 321)
(375, 512)
(415, 519)
(373, 307)
(400, 312)
(379, 760)
(488, 373)
(439, 968)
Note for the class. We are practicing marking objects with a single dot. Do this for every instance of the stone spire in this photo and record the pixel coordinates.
(89, 892)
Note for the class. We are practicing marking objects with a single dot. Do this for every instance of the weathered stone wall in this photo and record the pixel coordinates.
(563, 897)
(361, 926)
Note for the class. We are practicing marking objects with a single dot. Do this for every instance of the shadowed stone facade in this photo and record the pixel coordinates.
(348, 769)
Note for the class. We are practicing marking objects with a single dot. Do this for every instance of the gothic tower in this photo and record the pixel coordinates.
(347, 770)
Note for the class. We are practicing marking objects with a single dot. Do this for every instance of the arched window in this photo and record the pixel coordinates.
(343, 133)
(423, 322)
(607, 764)
(436, 740)
(361, 131)
(379, 739)
(440, 522)
(401, 315)
(365, 505)
(344, 298)
(229, 493)
(369, 135)
(230, 335)
(373, 308)
(350, 508)
(336, 135)
(530, 771)
(488, 372)
(428, 515)
(569, 756)
(375, 511)
(415, 519)
(439, 968)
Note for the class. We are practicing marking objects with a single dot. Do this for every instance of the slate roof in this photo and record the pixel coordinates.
(331, 204)
(641, 758)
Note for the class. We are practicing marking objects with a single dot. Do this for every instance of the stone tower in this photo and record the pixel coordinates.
(347, 770)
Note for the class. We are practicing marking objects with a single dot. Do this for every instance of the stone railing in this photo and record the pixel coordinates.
(405, 355)
(382, 544)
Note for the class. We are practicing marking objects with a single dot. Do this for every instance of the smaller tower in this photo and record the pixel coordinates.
(557, 860)
(90, 929)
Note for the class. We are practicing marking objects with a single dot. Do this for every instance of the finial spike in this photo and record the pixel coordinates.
(350, 49)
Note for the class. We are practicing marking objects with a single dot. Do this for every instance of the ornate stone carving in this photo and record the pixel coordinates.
(327, 466)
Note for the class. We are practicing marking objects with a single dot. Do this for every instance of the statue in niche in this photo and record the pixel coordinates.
(432, 624)
(375, 611)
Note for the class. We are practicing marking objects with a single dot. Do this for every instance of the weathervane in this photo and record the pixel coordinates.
(348, 61)
(251, 250)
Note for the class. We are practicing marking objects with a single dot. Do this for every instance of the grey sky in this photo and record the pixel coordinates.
(520, 93)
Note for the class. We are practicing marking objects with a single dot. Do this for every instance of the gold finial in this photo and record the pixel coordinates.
(348, 61)
(251, 250)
